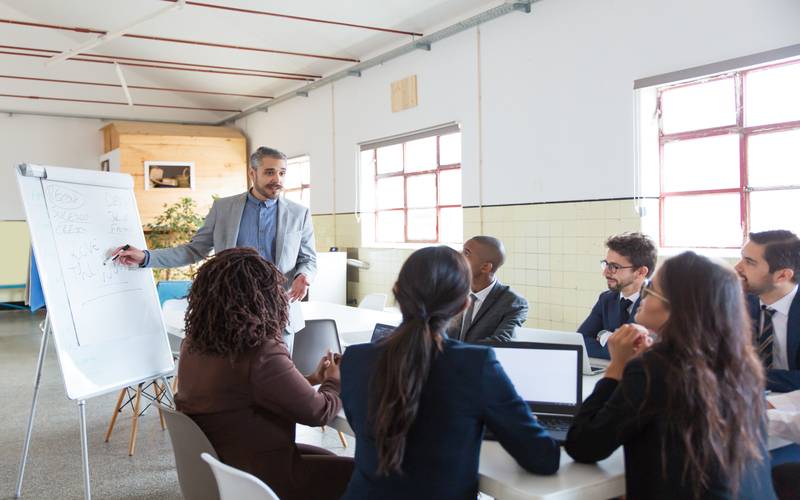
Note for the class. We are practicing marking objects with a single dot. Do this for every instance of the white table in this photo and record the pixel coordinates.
(355, 325)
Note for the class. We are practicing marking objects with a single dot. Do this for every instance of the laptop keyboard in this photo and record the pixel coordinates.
(555, 423)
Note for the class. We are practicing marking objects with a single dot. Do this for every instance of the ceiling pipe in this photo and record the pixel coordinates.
(298, 18)
(113, 35)
(116, 103)
(201, 68)
(14, 112)
(179, 40)
(123, 84)
(138, 87)
(423, 43)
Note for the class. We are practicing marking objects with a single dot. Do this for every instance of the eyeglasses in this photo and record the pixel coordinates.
(612, 267)
(648, 290)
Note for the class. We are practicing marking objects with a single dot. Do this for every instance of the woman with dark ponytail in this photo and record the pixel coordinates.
(418, 401)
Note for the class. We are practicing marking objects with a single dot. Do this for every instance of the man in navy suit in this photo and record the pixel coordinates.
(769, 270)
(629, 262)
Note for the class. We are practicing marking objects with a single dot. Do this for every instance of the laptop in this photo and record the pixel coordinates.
(380, 331)
(549, 379)
(558, 337)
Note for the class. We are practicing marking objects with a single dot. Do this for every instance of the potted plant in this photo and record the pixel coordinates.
(175, 226)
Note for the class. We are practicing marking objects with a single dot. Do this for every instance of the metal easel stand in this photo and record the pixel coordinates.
(87, 493)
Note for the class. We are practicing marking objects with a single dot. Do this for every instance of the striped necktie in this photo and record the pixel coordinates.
(467, 320)
(765, 336)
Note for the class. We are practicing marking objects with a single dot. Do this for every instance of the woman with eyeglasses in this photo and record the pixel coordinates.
(688, 409)
(418, 401)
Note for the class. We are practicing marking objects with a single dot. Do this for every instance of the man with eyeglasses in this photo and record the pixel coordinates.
(629, 262)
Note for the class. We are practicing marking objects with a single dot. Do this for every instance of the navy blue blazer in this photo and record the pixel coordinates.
(782, 380)
(604, 316)
(466, 389)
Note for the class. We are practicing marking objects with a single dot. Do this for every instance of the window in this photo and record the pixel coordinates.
(415, 188)
(297, 183)
(729, 156)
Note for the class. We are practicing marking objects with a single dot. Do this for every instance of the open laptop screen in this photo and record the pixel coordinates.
(547, 376)
(380, 331)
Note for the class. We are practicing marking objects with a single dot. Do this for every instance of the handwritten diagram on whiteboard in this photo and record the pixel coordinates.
(105, 298)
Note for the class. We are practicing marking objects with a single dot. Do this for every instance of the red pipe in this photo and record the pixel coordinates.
(298, 18)
(178, 40)
(124, 63)
(140, 87)
(120, 103)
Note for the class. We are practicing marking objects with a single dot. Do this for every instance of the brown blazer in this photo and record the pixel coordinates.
(248, 408)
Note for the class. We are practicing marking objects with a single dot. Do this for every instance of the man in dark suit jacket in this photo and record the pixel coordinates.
(629, 262)
(769, 270)
(495, 310)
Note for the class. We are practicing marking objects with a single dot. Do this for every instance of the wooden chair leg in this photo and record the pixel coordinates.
(342, 439)
(114, 416)
(135, 420)
(175, 384)
(160, 392)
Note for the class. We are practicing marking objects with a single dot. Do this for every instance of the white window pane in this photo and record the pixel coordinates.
(774, 159)
(772, 95)
(292, 178)
(451, 225)
(421, 154)
(389, 192)
(390, 226)
(421, 191)
(390, 159)
(422, 225)
(305, 197)
(368, 161)
(775, 210)
(305, 172)
(293, 195)
(696, 107)
(450, 149)
(707, 163)
(703, 221)
(450, 187)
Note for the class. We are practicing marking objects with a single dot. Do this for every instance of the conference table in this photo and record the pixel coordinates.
(499, 474)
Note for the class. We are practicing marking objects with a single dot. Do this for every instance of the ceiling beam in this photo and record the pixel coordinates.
(423, 43)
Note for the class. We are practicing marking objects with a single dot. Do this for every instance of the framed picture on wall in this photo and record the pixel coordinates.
(169, 175)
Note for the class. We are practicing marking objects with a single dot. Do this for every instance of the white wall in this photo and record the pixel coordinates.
(556, 94)
(67, 142)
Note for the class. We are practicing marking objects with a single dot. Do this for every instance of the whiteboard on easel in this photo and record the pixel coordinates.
(106, 320)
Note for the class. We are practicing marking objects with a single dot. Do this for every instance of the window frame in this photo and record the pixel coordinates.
(406, 175)
(738, 128)
(303, 187)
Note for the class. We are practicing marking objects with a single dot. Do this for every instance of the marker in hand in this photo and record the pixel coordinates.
(113, 257)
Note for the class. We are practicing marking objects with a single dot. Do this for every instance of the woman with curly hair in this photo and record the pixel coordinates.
(689, 411)
(240, 386)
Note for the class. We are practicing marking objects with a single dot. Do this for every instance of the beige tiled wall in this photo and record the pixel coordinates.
(553, 253)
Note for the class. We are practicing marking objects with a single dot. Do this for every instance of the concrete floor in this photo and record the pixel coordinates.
(54, 461)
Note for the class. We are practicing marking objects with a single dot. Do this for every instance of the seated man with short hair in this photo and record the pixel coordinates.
(495, 310)
(629, 262)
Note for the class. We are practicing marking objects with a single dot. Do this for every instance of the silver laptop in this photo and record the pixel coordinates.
(558, 337)
(549, 379)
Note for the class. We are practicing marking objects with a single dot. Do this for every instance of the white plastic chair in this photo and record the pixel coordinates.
(234, 484)
(374, 301)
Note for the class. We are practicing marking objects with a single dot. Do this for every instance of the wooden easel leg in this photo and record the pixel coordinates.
(114, 416)
(135, 420)
(175, 384)
(159, 393)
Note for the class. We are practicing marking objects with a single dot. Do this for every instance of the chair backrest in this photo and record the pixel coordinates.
(235, 484)
(375, 301)
(312, 342)
(172, 290)
(188, 442)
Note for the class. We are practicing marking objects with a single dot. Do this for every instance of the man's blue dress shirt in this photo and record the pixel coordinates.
(259, 226)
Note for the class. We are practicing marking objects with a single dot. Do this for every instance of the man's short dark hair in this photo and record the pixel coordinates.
(264, 152)
(637, 248)
(782, 250)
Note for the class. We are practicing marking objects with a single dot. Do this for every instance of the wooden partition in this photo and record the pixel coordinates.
(219, 155)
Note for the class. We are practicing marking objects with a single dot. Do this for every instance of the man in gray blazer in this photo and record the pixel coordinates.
(279, 229)
(495, 310)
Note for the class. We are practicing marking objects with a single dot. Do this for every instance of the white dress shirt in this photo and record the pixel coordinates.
(784, 420)
(780, 320)
(481, 297)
